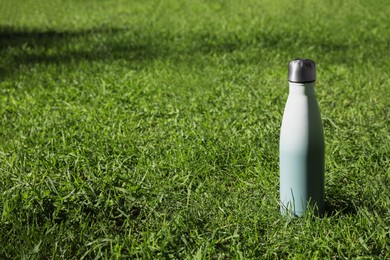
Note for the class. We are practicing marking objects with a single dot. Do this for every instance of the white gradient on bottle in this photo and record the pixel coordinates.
(301, 152)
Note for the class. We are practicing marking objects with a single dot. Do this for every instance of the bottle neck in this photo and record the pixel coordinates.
(301, 88)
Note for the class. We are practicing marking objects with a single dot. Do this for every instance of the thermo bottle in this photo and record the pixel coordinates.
(301, 148)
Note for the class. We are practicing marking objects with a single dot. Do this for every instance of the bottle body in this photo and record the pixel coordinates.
(301, 152)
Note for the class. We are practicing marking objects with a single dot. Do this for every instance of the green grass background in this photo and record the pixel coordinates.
(150, 129)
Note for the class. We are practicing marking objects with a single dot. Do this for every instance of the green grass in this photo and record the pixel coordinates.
(150, 129)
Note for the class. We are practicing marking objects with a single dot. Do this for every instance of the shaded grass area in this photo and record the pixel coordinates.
(156, 135)
(134, 45)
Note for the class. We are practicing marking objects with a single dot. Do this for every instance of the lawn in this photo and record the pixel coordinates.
(150, 129)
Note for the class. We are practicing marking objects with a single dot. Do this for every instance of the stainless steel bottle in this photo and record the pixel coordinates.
(302, 146)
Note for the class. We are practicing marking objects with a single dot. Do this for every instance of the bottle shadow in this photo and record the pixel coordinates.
(339, 205)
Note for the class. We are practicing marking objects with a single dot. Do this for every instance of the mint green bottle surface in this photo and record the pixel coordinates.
(301, 150)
